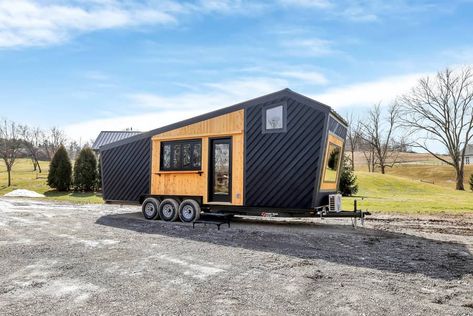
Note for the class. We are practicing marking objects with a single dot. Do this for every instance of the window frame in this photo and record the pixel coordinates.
(325, 186)
(284, 118)
(181, 143)
(337, 168)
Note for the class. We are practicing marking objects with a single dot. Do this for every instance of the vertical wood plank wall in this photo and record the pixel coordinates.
(190, 182)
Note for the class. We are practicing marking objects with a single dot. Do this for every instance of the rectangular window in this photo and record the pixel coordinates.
(332, 163)
(274, 118)
(181, 155)
(467, 160)
(166, 157)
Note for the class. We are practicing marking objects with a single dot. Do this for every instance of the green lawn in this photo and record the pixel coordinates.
(23, 177)
(382, 193)
(393, 194)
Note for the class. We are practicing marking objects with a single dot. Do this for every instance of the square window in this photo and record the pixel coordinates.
(274, 118)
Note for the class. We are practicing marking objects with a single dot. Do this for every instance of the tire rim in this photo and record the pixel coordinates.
(149, 209)
(168, 210)
(188, 212)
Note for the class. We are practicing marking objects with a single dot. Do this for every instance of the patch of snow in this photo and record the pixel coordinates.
(24, 193)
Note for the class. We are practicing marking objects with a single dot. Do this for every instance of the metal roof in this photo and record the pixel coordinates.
(108, 137)
(285, 92)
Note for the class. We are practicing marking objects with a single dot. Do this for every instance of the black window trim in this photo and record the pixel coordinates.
(284, 118)
(193, 142)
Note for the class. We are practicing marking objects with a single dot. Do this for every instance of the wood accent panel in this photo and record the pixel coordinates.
(179, 172)
(185, 183)
(331, 186)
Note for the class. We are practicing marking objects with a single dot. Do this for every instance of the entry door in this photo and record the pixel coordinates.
(220, 170)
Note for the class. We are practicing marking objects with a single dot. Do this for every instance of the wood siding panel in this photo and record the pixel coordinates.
(231, 125)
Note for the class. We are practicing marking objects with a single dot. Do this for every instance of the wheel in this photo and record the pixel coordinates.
(168, 210)
(150, 208)
(189, 211)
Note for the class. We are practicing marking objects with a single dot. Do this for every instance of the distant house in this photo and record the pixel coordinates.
(469, 154)
(108, 137)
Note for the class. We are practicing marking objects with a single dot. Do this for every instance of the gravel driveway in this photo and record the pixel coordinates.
(59, 258)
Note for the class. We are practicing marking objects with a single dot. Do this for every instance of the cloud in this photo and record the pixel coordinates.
(227, 6)
(29, 23)
(309, 77)
(310, 46)
(359, 14)
(307, 3)
(160, 110)
(368, 93)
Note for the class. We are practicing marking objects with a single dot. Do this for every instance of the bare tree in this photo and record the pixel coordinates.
(379, 134)
(440, 109)
(33, 139)
(10, 145)
(54, 138)
(353, 136)
(369, 153)
(73, 149)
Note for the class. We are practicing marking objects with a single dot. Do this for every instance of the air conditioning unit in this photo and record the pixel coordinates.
(335, 202)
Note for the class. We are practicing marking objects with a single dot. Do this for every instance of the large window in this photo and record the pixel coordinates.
(274, 118)
(332, 163)
(181, 155)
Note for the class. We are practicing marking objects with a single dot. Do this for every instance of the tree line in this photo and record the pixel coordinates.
(438, 110)
(23, 141)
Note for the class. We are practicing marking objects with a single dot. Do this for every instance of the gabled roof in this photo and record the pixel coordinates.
(108, 137)
(253, 102)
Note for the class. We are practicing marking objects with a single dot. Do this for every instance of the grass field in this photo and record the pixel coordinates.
(382, 193)
(23, 177)
(394, 194)
(421, 167)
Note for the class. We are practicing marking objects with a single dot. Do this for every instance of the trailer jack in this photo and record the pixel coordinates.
(324, 212)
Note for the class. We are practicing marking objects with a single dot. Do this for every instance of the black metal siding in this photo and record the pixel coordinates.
(334, 126)
(281, 168)
(126, 171)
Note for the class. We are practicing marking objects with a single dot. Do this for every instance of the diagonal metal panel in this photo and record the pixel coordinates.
(281, 168)
(126, 171)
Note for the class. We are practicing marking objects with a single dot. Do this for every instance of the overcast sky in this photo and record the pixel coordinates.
(92, 65)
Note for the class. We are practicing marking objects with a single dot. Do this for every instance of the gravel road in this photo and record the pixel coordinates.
(66, 259)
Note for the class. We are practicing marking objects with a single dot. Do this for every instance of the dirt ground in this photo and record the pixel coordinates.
(58, 258)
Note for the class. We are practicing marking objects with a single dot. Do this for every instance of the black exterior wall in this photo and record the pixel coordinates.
(126, 171)
(281, 168)
(336, 127)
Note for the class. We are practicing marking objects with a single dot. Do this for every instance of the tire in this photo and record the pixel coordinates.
(150, 208)
(168, 210)
(189, 211)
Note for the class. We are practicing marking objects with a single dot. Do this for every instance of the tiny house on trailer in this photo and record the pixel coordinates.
(279, 153)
